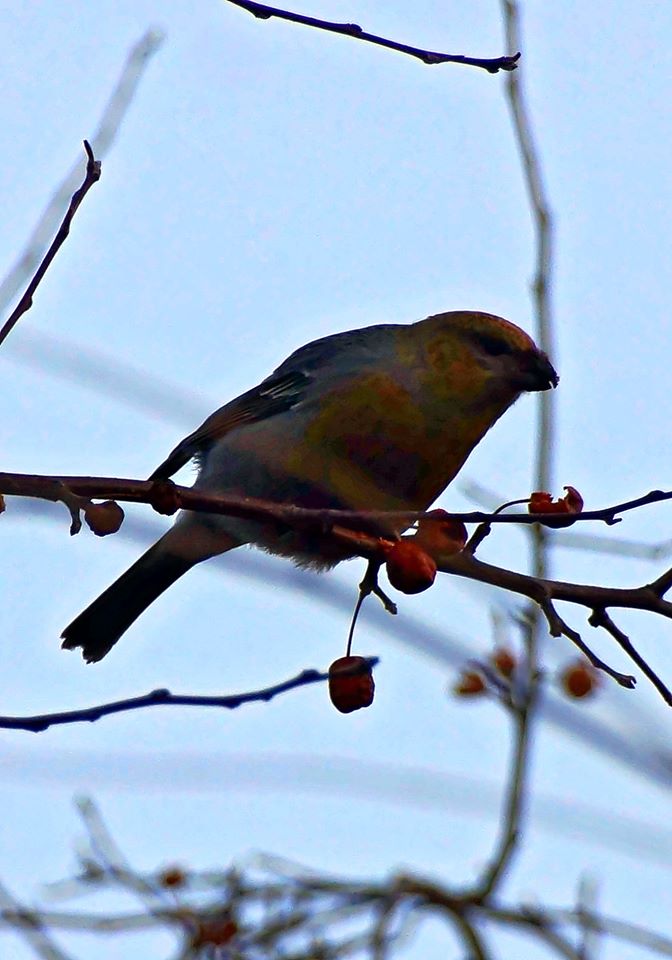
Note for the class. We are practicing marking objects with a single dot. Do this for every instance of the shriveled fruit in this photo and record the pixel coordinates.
(351, 685)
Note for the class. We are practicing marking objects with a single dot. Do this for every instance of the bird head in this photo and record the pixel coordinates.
(485, 359)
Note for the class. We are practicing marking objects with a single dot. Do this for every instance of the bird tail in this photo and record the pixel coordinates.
(98, 628)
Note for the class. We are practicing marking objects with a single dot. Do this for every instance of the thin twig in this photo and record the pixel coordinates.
(589, 543)
(484, 529)
(31, 925)
(380, 938)
(162, 697)
(542, 282)
(519, 774)
(368, 586)
(25, 303)
(91, 922)
(585, 908)
(543, 475)
(112, 861)
(472, 939)
(543, 592)
(524, 704)
(513, 808)
(106, 133)
(600, 618)
(610, 926)
(263, 12)
(560, 628)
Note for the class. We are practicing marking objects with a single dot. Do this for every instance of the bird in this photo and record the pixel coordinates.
(379, 418)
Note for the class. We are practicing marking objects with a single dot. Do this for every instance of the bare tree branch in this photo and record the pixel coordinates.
(263, 12)
(31, 925)
(588, 543)
(527, 683)
(164, 698)
(544, 591)
(611, 926)
(276, 908)
(543, 226)
(345, 527)
(25, 303)
(167, 497)
(510, 818)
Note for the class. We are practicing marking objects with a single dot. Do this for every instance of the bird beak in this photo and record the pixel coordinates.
(537, 372)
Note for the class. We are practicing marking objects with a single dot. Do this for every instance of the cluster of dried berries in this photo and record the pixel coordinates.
(577, 680)
(411, 564)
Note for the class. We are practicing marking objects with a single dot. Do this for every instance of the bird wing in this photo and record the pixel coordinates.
(276, 394)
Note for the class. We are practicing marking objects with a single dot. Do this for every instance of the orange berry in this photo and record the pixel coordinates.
(351, 685)
(579, 680)
(542, 502)
(445, 536)
(470, 684)
(104, 518)
(410, 568)
(503, 659)
(172, 877)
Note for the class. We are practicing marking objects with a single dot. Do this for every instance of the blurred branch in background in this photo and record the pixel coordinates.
(401, 786)
(101, 142)
(269, 907)
(27, 922)
(522, 695)
(106, 375)
(91, 176)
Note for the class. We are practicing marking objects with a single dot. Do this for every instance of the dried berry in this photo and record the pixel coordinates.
(172, 877)
(351, 685)
(579, 679)
(571, 503)
(410, 568)
(504, 661)
(104, 518)
(470, 684)
(444, 536)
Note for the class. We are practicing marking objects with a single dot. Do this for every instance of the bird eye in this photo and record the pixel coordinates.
(494, 346)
